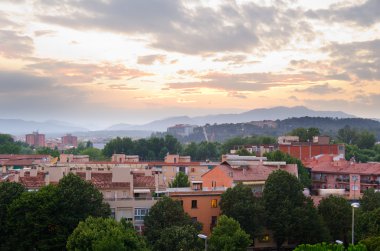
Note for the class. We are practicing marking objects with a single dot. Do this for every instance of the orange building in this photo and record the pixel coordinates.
(202, 205)
(35, 139)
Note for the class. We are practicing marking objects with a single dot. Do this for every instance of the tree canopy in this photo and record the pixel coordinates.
(305, 134)
(228, 236)
(180, 180)
(103, 234)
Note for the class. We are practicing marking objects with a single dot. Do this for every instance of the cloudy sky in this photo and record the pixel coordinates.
(101, 62)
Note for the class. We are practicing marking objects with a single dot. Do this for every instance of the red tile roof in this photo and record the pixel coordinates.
(144, 181)
(104, 181)
(345, 167)
(256, 172)
(33, 182)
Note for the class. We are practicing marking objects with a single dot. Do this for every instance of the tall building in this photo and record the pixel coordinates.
(70, 140)
(35, 139)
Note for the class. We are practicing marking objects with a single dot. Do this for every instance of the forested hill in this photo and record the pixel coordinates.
(327, 126)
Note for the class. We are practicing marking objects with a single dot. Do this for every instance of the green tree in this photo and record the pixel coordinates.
(9, 191)
(366, 140)
(370, 200)
(93, 153)
(164, 214)
(305, 134)
(180, 180)
(8, 145)
(46, 218)
(372, 243)
(282, 194)
(348, 135)
(338, 222)
(228, 236)
(104, 234)
(179, 238)
(48, 151)
(240, 204)
(367, 224)
(303, 174)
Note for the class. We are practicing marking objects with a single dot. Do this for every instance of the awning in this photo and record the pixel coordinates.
(253, 182)
(141, 191)
(196, 181)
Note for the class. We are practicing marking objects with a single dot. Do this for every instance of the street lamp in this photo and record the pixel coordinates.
(202, 236)
(353, 205)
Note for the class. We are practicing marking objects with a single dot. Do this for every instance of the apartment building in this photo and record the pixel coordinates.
(35, 139)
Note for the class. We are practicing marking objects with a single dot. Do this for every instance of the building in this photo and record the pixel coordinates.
(257, 150)
(35, 139)
(21, 161)
(71, 158)
(251, 173)
(200, 205)
(307, 150)
(332, 174)
(287, 140)
(69, 141)
(181, 130)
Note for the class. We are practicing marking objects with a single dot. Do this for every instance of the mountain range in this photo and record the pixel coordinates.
(19, 126)
(274, 113)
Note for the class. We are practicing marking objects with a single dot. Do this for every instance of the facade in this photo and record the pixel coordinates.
(307, 150)
(332, 174)
(181, 130)
(20, 161)
(69, 141)
(257, 150)
(71, 158)
(201, 205)
(35, 139)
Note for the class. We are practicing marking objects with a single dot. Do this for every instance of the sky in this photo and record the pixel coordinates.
(100, 62)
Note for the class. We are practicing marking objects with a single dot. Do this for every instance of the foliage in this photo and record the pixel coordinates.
(179, 238)
(228, 236)
(240, 204)
(367, 224)
(148, 149)
(93, 153)
(282, 195)
(303, 174)
(329, 247)
(180, 180)
(164, 214)
(8, 146)
(366, 140)
(104, 234)
(48, 151)
(241, 141)
(338, 222)
(372, 243)
(370, 200)
(46, 218)
(305, 134)
(9, 191)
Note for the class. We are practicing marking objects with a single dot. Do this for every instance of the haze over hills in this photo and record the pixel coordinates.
(274, 113)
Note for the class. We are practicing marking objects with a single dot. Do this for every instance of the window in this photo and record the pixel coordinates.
(214, 203)
(264, 238)
(181, 201)
(140, 213)
(112, 213)
(194, 219)
(194, 204)
(192, 169)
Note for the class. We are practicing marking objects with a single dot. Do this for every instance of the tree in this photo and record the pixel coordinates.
(348, 135)
(179, 238)
(180, 180)
(367, 224)
(48, 151)
(282, 194)
(366, 140)
(104, 234)
(8, 146)
(9, 191)
(240, 204)
(228, 236)
(339, 222)
(93, 153)
(303, 174)
(305, 134)
(46, 218)
(370, 200)
(372, 243)
(164, 214)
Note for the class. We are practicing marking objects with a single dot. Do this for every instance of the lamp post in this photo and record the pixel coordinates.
(353, 205)
(202, 236)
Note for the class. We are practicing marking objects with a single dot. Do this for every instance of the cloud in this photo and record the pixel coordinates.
(246, 81)
(14, 45)
(236, 95)
(39, 33)
(365, 14)
(122, 87)
(151, 59)
(321, 89)
(70, 72)
(183, 27)
(361, 59)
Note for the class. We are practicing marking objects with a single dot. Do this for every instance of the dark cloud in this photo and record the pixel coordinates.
(14, 45)
(361, 59)
(365, 14)
(151, 59)
(176, 27)
(321, 89)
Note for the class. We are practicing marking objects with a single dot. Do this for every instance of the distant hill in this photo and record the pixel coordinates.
(19, 127)
(274, 113)
(326, 125)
